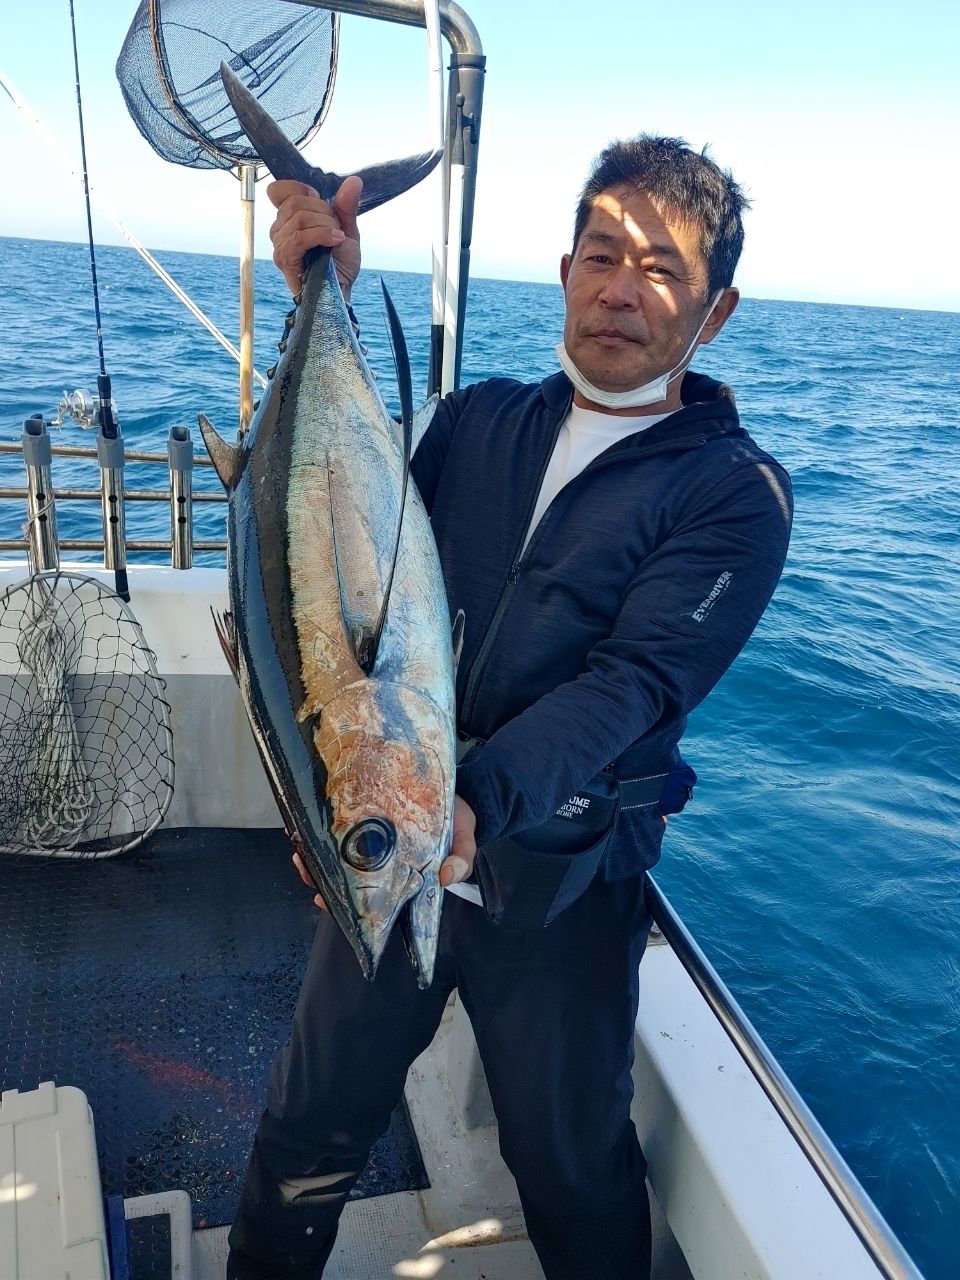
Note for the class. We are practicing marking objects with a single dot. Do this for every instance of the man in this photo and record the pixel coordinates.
(613, 536)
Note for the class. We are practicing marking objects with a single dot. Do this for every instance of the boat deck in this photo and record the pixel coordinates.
(162, 982)
(467, 1224)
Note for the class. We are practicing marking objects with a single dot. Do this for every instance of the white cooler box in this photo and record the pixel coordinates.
(51, 1210)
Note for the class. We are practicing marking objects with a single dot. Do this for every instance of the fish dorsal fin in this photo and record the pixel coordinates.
(421, 420)
(401, 360)
(381, 182)
(223, 456)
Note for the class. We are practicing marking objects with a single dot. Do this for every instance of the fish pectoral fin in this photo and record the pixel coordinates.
(357, 578)
(222, 455)
(456, 637)
(401, 360)
(421, 420)
(227, 635)
(404, 386)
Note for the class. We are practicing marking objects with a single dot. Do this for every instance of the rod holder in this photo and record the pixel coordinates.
(110, 457)
(41, 506)
(180, 454)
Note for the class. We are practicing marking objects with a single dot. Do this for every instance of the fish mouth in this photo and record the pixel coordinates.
(375, 908)
(421, 928)
(365, 909)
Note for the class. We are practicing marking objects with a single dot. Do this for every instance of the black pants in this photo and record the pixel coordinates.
(553, 1011)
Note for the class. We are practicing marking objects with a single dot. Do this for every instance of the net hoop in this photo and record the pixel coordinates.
(86, 746)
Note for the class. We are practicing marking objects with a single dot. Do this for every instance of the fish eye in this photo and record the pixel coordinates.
(369, 844)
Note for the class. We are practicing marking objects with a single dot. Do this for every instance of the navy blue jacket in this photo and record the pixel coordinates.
(641, 584)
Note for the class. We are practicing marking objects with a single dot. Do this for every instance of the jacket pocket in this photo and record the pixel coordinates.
(527, 879)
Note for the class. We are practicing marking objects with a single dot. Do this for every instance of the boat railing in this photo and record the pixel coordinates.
(41, 540)
(878, 1239)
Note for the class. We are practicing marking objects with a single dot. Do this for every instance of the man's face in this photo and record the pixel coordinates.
(635, 289)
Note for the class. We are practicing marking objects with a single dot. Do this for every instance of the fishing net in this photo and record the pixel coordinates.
(86, 751)
(169, 74)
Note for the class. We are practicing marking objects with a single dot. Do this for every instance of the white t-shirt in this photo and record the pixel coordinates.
(584, 436)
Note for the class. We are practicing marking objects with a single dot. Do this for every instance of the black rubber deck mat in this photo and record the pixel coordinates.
(161, 983)
(148, 1248)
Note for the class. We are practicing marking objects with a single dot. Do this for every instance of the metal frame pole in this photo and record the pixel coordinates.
(247, 174)
(464, 100)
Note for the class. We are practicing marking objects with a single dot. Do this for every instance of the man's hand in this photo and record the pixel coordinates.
(463, 849)
(307, 879)
(304, 221)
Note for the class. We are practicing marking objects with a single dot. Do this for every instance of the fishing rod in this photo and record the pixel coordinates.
(15, 96)
(109, 438)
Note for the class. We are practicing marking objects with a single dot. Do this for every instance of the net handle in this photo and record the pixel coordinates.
(431, 12)
(247, 173)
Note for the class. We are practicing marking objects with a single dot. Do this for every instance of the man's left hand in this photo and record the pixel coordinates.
(458, 865)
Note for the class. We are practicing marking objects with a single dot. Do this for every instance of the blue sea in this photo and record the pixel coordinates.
(819, 866)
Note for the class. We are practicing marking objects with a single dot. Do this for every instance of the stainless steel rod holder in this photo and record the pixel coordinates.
(41, 506)
(180, 454)
(110, 457)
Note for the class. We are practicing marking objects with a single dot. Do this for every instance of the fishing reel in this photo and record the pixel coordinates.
(99, 413)
(82, 408)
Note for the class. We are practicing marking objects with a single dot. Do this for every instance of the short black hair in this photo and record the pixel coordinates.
(680, 181)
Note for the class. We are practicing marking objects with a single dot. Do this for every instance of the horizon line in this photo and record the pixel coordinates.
(194, 253)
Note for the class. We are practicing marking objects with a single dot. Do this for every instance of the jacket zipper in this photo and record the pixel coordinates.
(480, 661)
(513, 576)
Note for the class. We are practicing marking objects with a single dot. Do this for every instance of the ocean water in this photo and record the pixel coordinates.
(819, 865)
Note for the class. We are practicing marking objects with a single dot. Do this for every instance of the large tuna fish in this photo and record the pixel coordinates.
(339, 631)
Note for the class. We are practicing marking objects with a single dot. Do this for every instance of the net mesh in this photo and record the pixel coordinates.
(169, 74)
(86, 751)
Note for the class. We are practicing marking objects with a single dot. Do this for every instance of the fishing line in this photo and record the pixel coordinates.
(114, 550)
(86, 193)
(13, 93)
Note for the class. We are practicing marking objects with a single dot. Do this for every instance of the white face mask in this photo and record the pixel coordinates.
(650, 393)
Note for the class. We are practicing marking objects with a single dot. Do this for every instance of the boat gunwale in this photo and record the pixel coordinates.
(874, 1232)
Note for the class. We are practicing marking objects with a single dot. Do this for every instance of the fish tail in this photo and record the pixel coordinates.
(381, 182)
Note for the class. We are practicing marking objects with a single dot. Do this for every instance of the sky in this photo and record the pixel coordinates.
(841, 118)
